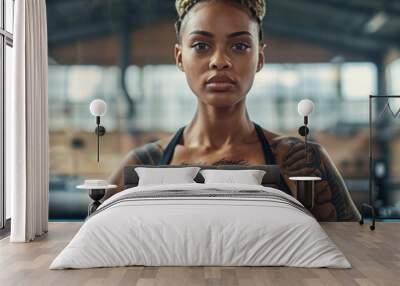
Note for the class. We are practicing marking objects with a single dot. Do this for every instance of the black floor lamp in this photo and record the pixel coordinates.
(370, 205)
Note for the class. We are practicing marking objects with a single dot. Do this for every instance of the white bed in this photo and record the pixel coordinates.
(223, 225)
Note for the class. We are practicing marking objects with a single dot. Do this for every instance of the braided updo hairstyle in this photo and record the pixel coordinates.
(255, 7)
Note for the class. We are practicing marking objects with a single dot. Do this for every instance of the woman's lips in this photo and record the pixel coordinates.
(220, 86)
(220, 83)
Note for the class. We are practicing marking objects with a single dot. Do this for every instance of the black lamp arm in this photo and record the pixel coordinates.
(99, 131)
(303, 131)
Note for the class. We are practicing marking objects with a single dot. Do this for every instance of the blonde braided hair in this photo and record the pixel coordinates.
(257, 9)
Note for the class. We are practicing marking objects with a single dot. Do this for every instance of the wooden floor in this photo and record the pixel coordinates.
(375, 256)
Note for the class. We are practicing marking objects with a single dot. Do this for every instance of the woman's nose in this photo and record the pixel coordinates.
(219, 60)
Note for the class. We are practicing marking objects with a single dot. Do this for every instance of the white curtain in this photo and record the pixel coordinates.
(27, 128)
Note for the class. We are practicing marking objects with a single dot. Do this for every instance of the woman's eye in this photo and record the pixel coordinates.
(241, 47)
(201, 47)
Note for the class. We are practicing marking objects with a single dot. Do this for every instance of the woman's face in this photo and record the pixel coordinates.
(219, 52)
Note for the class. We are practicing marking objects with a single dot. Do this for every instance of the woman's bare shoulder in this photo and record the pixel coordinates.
(276, 138)
(147, 154)
(163, 142)
(150, 153)
(280, 143)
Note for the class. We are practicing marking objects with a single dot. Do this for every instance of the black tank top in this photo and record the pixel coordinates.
(268, 155)
(169, 151)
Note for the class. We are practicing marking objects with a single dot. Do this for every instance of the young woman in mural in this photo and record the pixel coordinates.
(220, 49)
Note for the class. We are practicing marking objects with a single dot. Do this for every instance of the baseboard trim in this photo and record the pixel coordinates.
(5, 231)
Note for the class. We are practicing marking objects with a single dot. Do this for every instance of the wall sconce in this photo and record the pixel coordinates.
(305, 108)
(98, 108)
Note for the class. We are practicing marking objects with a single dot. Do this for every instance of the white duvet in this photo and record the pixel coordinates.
(183, 231)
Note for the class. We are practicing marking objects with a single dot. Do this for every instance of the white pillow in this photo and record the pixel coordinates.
(248, 177)
(162, 176)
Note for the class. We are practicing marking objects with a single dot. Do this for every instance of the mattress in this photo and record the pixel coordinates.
(201, 225)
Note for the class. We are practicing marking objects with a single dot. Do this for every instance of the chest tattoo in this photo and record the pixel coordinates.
(222, 161)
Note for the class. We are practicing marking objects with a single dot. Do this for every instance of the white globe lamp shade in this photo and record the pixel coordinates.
(305, 107)
(98, 107)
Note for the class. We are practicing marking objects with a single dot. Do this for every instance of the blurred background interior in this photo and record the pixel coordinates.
(335, 52)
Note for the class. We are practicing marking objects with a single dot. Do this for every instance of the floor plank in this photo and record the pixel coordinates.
(374, 255)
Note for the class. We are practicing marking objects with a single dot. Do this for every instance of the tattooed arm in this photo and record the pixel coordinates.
(332, 200)
(149, 154)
